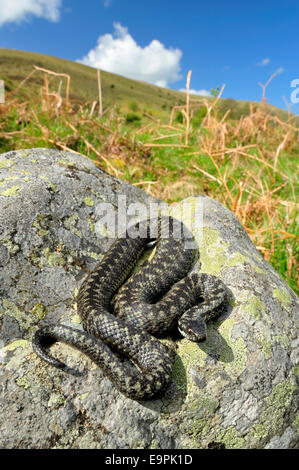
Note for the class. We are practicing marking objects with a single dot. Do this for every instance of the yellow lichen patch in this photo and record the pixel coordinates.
(234, 351)
(6, 163)
(102, 229)
(255, 307)
(56, 400)
(91, 225)
(92, 254)
(70, 223)
(9, 178)
(214, 254)
(83, 395)
(75, 319)
(284, 339)
(231, 438)
(12, 247)
(271, 421)
(296, 423)
(188, 212)
(188, 354)
(23, 382)
(66, 163)
(12, 310)
(259, 270)
(211, 247)
(89, 201)
(52, 185)
(20, 343)
(237, 259)
(118, 162)
(39, 311)
(282, 296)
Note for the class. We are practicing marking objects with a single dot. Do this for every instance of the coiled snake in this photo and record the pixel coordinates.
(121, 317)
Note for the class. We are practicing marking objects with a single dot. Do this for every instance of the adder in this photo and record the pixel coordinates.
(121, 318)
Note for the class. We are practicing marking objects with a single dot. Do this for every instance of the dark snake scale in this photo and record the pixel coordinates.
(119, 318)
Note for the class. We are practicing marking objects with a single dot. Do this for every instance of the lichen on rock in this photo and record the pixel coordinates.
(236, 390)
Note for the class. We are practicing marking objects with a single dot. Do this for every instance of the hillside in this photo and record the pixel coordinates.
(15, 66)
(242, 154)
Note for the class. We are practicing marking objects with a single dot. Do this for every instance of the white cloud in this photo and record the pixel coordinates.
(19, 10)
(119, 53)
(107, 3)
(197, 92)
(279, 70)
(264, 62)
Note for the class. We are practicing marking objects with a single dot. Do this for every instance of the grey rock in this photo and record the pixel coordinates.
(239, 389)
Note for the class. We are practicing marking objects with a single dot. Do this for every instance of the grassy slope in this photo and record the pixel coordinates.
(15, 66)
(249, 164)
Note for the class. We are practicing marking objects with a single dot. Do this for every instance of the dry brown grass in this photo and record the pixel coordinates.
(243, 163)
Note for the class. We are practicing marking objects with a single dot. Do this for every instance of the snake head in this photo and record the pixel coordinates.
(193, 329)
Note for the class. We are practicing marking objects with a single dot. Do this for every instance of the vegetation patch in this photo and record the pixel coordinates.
(242, 154)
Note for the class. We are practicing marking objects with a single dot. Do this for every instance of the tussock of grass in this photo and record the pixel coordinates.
(248, 162)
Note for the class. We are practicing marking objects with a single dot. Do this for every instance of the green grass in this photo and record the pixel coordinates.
(134, 115)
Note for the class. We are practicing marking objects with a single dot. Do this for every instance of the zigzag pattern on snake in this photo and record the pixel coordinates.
(121, 317)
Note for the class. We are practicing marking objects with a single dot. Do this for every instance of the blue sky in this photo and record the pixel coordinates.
(159, 41)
